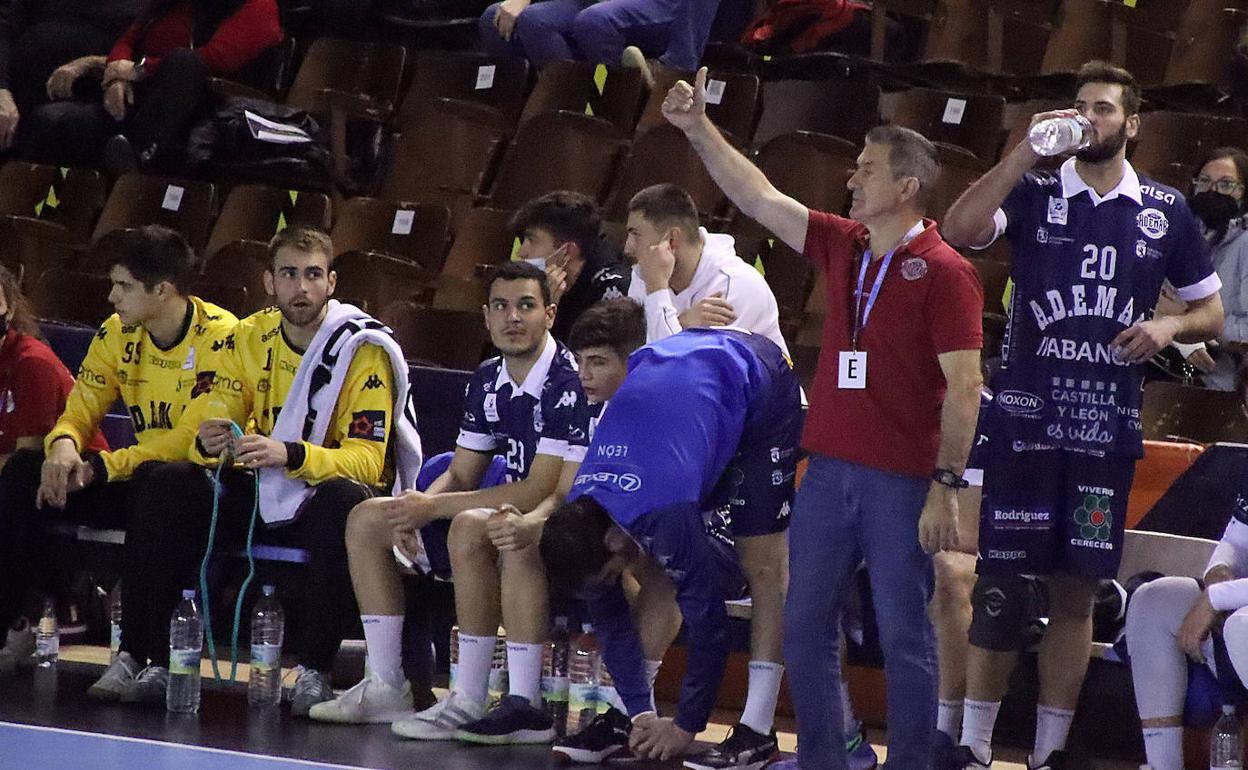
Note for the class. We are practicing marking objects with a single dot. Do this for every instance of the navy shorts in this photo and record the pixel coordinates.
(1052, 510)
(433, 536)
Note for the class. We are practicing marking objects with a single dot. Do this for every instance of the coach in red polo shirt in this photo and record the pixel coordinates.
(892, 415)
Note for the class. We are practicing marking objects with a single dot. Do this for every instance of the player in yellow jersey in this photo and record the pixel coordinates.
(309, 482)
(150, 353)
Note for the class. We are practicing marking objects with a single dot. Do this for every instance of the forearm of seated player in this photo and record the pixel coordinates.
(467, 469)
(525, 494)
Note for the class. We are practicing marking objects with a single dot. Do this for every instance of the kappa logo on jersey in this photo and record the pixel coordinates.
(1059, 208)
(785, 510)
(1141, 249)
(1152, 223)
(538, 422)
(567, 399)
(1020, 402)
(203, 383)
(369, 424)
(373, 383)
(612, 293)
(101, 333)
(914, 268)
(227, 343)
(1042, 235)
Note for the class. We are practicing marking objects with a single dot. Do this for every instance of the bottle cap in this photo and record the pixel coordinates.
(267, 590)
(587, 628)
(1228, 709)
(188, 593)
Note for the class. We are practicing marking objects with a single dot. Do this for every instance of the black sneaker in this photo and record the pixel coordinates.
(606, 736)
(743, 749)
(945, 755)
(965, 759)
(512, 720)
(1057, 760)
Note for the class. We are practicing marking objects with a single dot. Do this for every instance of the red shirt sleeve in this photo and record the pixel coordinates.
(124, 47)
(956, 318)
(39, 390)
(252, 29)
(829, 238)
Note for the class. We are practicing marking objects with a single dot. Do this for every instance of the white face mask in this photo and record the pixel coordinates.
(538, 262)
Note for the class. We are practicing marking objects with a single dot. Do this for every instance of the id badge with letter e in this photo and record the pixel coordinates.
(852, 372)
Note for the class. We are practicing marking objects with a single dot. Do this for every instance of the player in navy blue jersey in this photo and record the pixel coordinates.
(729, 406)
(527, 407)
(1092, 244)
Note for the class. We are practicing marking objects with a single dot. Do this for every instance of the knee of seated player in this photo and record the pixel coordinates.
(1235, 634)
(591, 25)
(469, 538)
(367, 528)
(1161, 602)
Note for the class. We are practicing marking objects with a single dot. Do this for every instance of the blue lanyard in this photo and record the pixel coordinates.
(875, 290)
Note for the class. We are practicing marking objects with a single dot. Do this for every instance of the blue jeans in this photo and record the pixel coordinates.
(844, 510)
(675, 31)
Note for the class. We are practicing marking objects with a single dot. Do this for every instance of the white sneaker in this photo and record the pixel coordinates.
(372, 701)
(633, 58)
(440, 721)
(118, 679)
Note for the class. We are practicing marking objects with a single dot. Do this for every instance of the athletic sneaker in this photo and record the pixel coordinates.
(743, 749)
(633, 58)
(372, 701)
(861, 753)
(440, 721)
(150, 686)
(19, 648)
(117, 679)
(1057, 760)
(606, 736)
(311, 687)
(945, 755)
(513, 720)
(965, 759)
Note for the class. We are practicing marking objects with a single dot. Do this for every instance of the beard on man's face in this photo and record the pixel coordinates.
(1098, 152)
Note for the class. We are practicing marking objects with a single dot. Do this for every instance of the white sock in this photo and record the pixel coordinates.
(1052, 727)
(524, 671)
(761, 697)
(850, 723)
(978, 719)
(383, 635)
(1164, 747)
(472, 676)
(652, 673)
(949, 717)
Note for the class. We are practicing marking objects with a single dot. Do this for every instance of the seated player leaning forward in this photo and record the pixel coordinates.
(324, 388)
(730, 407)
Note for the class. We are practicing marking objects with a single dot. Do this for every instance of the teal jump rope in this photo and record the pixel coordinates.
(217, 491)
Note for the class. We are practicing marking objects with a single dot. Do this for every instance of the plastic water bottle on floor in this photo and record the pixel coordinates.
(1058, 135)
(1226, 749)
(47, 637)
(186, 644)
(606, 690)
(268, 628)
(114, 622)
(584, 670)
(555, 675)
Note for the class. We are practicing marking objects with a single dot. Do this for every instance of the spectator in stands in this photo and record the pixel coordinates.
(730, 407)
(686, 277)
(34, 386)
(1218, 201)
(302, 470)
(155, 82)
(613, 31)
(891, 421)
(559, 233)
(38, 36)
(1092, 244)
(527, 405)
(151, 354)
(1173, 622)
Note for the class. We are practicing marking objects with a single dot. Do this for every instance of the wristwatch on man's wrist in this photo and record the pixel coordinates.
(949, 479)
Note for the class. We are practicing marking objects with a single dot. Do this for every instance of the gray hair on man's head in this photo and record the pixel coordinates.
(910, 154)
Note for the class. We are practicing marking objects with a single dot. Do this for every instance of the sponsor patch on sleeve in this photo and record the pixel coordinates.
(369, 424)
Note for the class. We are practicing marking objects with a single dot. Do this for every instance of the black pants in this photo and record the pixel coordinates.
(166, 105)
(170, 514)
(44, 46)
(28, 556)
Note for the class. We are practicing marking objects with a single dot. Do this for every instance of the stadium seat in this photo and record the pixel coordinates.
(1171, 144)
(445, 156)
(1142, 37)
(454, 339)
(1199, 60)
(558, 151)
(613, 94)
(993, 275)
(231, 296)
(732, 101)
(255, 213)
(663, 154)
(369, 73)
(920, 10)
(63, 201)
(71, 296)
(244, 262)
(483, 239)
(388, 251)
(185, 205)
(959, 169)
(498, 84)
(846, 106)
(1189, 413)
(972, 121)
